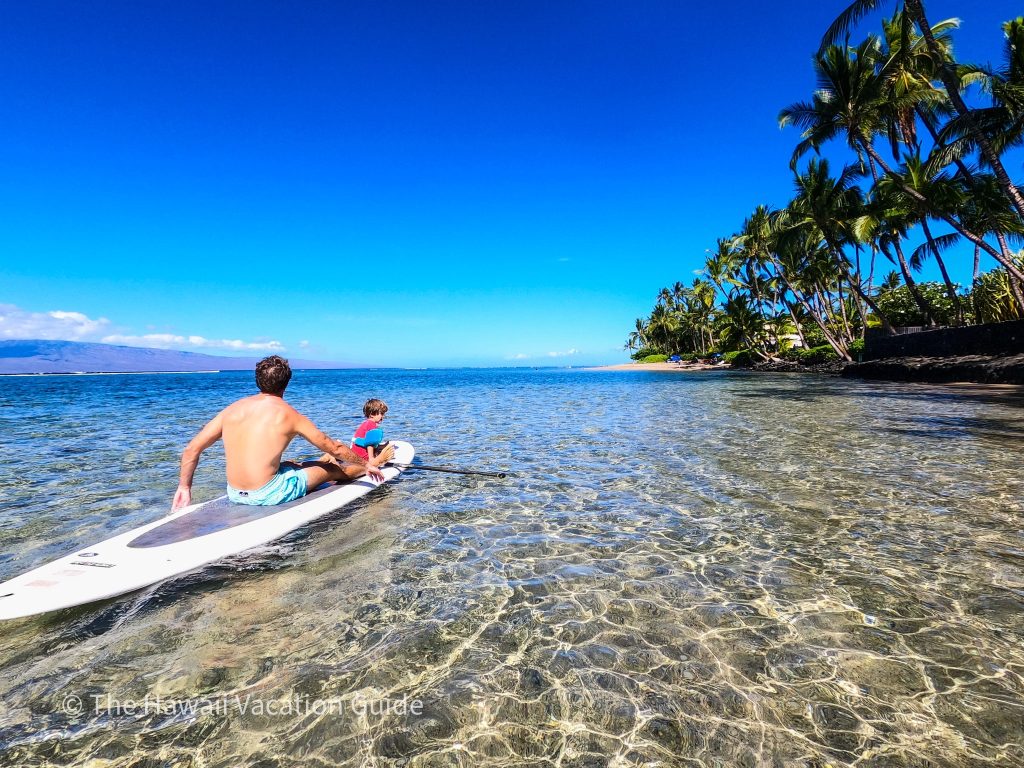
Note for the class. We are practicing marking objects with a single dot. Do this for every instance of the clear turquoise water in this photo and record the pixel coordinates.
(687, 569)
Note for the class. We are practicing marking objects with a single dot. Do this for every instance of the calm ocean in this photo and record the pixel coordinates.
(686, 569)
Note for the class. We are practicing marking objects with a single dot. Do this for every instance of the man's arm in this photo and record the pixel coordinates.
(340, 451)
(207, 436)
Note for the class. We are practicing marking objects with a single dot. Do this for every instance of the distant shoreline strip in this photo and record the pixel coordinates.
(104, 373)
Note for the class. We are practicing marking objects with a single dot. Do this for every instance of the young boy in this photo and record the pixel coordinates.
(368, 441)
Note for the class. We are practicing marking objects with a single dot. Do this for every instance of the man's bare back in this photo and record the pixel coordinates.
(256, 431)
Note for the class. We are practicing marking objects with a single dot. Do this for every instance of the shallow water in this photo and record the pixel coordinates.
(687, 569)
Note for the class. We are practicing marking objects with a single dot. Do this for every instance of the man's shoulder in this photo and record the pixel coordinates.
(290, 414)
(260, 403)
(242, 402)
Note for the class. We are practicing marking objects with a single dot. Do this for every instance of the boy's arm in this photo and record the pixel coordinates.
(207, 436)
(305, 428)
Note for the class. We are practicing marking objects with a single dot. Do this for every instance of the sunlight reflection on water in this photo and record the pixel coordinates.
(706, 569)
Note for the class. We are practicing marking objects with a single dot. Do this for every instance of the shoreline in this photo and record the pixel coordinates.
(979, 369)
(102, 373)
(660, 367)
(978, 373)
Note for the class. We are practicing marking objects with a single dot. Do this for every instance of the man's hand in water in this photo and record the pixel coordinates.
(182, 498)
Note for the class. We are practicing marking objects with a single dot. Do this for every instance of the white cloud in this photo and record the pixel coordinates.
(304, 344)
(16, 323)
(566, 353)
(174, 341)
(60, 325)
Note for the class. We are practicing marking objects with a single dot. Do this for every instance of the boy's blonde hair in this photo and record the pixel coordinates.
(374, 407)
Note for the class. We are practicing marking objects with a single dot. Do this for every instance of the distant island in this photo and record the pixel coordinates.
(27, 356)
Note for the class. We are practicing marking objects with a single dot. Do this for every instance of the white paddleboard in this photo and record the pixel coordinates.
(181, 542)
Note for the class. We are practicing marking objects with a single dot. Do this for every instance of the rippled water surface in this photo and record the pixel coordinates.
(709, 569)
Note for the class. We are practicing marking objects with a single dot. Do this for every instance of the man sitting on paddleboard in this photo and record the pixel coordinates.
(256, 431)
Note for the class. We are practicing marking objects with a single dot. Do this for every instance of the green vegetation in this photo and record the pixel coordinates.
(928, 175)
(815, 355)
(654, 359)
(643, 352)
(903, 307)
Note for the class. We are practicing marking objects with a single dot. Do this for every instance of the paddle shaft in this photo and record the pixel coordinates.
(502, 475)
(450, 470)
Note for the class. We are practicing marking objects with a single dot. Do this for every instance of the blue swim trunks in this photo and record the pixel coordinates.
(287, 485)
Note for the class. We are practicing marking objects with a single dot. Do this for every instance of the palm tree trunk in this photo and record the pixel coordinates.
(977, 263)
(826, 303)
(950, 288)
(834, 343)
(947, 73)
(842, 310)
(886, 325)
(1017, 293)
(871, 271)
(857, 301)
(834, 313)
(912, 286)
(1005, 249)
(796, 323)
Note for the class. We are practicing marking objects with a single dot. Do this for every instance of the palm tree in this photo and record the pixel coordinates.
(804, 267)
(935, 191)
(743, 327)
(829, 209)
(985, 210)
(754, 245)
(801, 266)
(662, 327)
(908, 73)
(947, 72)
(720, 265)
(702, 313)
(885, 222)
(1004, 121)
(638, 338)
(849, 101)
(889, 283)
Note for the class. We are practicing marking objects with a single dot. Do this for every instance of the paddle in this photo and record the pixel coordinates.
(502, 475)
(451, 470)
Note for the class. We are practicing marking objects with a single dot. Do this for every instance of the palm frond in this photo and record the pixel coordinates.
(840, 28)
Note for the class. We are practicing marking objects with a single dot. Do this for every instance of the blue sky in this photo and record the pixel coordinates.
(404, 183)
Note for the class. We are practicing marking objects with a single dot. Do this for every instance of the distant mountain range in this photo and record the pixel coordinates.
(38, 356)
